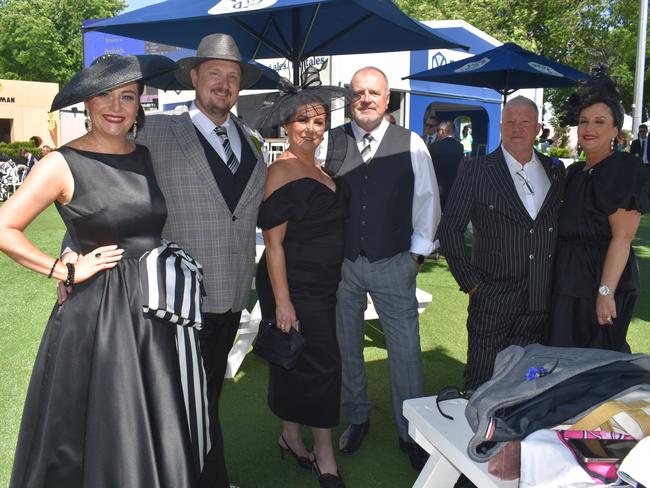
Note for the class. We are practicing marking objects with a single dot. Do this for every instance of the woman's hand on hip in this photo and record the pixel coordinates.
(105, 257)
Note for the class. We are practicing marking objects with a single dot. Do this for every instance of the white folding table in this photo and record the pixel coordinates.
(446, 442)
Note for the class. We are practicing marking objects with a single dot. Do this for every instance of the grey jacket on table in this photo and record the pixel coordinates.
(509, 386)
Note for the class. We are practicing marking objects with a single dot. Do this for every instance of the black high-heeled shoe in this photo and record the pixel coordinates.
(303, 462)
(328, 480)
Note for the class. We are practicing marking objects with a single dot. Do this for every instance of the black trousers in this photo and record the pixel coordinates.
(215, 340)
(492, 329)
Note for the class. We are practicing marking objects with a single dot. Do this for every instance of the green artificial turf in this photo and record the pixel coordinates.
(250, 430)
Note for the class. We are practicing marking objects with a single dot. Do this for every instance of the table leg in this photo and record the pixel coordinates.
(437, 473)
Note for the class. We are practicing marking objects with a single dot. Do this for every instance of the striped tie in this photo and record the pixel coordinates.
(365, 152)
(231, 160)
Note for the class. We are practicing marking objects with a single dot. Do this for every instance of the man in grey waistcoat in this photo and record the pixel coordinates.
(212, 174)
(394, 213)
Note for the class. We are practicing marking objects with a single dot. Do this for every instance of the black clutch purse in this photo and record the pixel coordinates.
(278, 347)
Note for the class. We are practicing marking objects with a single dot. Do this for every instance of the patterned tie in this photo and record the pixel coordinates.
(365, 152)
(231, 160)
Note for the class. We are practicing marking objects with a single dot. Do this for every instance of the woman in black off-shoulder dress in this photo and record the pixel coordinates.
(302, 221)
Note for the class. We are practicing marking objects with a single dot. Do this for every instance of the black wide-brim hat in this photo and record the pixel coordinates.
(108, 72)
(217, 46)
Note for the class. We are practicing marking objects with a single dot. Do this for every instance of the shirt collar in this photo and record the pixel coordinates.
(377, 133)
(515, 165)
(202, 121)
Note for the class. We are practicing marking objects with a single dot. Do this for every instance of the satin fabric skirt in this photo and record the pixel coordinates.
(104, 408)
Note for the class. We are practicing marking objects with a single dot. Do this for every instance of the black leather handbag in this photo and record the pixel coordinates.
(278, 347)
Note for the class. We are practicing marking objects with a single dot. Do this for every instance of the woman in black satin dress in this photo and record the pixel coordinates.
(105, 406)
(302, 221)
(596, 278)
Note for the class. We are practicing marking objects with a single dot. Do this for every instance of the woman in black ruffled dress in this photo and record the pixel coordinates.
(596, 274)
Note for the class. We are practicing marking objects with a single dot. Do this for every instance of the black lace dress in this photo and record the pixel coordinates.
(310, 393)
(618, 182)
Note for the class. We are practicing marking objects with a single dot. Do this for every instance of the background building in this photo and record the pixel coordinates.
(24, 112)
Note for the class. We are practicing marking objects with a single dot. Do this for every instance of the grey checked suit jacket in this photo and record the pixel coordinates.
(512, 254)
(198, 218)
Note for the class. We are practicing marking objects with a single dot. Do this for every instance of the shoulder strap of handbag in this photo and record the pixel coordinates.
(603, 413)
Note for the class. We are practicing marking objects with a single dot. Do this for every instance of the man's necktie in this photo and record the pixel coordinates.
(365, 151)
(231, 160)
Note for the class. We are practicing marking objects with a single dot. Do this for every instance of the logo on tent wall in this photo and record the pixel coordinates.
(547, 70)
(234, 6)
(472, 66)
(438, 60)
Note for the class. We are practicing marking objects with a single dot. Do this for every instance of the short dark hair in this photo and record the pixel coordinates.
(614, 107)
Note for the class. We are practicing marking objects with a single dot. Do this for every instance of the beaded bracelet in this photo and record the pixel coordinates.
(69, 281)
(52, 270)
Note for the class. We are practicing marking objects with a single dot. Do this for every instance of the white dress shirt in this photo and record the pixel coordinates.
(532, 195)
(426, 199)
(206, 127)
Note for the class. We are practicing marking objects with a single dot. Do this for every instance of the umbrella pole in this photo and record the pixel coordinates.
(296, 46)
(296, 71)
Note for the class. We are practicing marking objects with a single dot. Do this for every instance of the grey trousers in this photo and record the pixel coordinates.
(391, 284)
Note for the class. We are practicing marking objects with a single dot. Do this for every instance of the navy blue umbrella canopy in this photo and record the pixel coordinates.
(268, 81)
(505, 69)
(292, 29)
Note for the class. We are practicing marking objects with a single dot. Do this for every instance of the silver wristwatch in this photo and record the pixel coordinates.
(605, 290)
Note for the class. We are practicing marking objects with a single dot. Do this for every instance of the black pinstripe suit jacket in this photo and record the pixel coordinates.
(512, 255)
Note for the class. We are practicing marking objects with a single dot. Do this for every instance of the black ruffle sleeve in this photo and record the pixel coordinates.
(621, 181)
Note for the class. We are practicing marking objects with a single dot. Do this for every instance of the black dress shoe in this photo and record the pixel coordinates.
(416, 454)
(350, 440)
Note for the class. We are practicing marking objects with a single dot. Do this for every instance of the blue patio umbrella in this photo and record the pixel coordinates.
(505, 69)
(268, 80)
(292, 29)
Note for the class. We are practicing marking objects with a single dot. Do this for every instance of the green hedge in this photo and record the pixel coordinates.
(559, 152)
(12, 149)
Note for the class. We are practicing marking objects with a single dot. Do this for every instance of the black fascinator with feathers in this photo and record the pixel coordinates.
(279, 108)
(600, 88)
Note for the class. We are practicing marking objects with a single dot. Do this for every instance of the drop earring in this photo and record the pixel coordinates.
(612, 146)
(88, 122)
(135, 129)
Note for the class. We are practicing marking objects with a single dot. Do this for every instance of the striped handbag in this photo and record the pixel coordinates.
(172, 290)
(172, 285)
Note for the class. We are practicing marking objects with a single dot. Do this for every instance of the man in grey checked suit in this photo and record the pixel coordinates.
(512, 197)
(394, 212)
(213, 188)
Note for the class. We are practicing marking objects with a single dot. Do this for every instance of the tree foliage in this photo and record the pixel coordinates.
(580, 33)
(40, 40)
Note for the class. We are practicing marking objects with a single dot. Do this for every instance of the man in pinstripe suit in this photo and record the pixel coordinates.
(512, 197)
